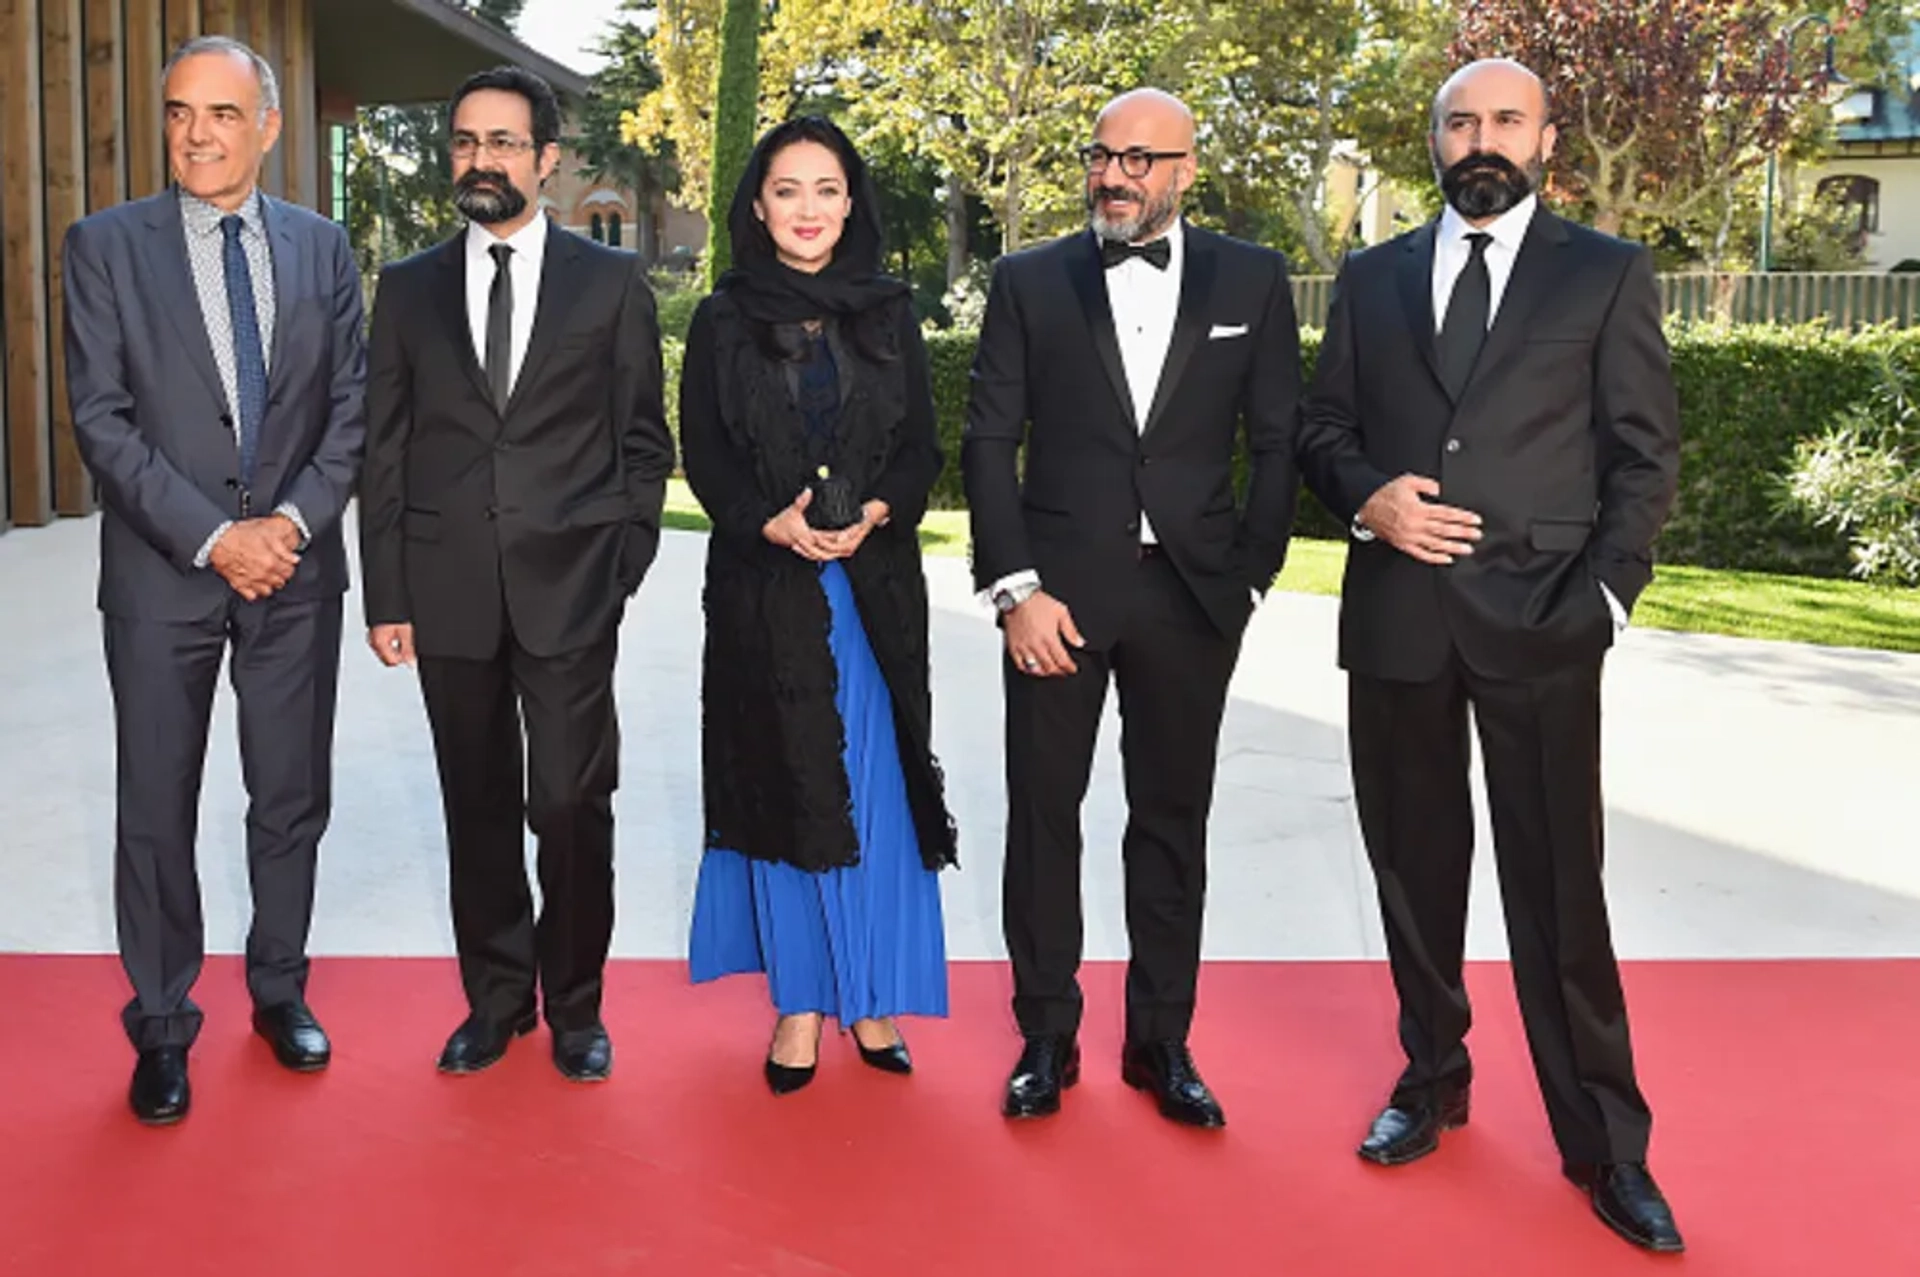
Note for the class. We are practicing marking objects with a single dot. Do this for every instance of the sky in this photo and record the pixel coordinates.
(562, 29)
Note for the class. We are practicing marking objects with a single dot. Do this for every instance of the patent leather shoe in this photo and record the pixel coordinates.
(478, 1043)
(584, 1055)
(160, 1095)
(1165, 1070)
(1627, 1200)
(1408, 1130)
(297, 1039)
(1047, 1066)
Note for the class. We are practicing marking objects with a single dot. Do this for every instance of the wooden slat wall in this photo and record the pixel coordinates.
(106, 106)
(23, 266)
(299, 105)
(146, 54)
(263, 30)
(63, 94)
(183, 22)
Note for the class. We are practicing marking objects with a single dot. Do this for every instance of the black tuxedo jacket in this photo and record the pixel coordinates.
(1048, 374)
(544, 516)
(1564, 440)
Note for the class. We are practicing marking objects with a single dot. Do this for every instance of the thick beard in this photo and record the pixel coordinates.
(489, 207)
(1154, 217)
(1485, 184)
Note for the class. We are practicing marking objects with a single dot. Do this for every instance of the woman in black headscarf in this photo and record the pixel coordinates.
(807, 427)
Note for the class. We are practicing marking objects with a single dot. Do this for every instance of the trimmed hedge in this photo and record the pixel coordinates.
(1747, 393)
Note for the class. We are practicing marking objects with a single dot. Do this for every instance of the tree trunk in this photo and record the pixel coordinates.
(1010, 236)
(957, 246)
(1608, 220)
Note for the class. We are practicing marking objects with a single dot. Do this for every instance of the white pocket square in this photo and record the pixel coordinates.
(1226, 330)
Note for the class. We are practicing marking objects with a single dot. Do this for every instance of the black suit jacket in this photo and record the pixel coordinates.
(544, 516)
(1564, 440)
(1048, 374)
(151, 417)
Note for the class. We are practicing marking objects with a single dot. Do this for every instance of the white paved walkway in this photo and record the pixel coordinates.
(1764, 799)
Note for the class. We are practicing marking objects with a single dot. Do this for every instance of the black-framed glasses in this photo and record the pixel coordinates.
(1136, 161)
(505, 145)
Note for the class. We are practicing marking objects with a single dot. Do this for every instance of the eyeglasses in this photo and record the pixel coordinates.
(1136, 161)
(505, 145)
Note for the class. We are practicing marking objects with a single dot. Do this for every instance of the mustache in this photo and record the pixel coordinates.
(1484, 162)
(476, 179)
(1104, 193)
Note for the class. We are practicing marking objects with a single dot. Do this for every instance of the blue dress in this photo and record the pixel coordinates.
(860, 942)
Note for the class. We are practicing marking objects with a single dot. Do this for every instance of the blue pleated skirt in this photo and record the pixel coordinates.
(856, 943)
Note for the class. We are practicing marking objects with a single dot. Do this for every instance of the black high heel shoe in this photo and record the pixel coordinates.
(783, 1079)
(888, 1059)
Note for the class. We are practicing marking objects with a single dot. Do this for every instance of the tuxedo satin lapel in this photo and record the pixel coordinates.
(450, 289)
(1189, 326)
(289, 268)
(561, 281)
(1536, 272)
(1090, 283)
(166, 258)
(1416, 296)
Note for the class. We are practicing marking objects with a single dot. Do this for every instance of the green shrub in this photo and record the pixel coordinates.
(1748, 395)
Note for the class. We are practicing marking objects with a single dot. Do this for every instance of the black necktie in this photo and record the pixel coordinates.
(500, 327)
(1464, 330)
(1157, 253)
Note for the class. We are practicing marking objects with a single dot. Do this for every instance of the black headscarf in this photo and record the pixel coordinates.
(849, 288)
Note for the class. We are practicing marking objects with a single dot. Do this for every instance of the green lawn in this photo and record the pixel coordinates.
(1700, 600)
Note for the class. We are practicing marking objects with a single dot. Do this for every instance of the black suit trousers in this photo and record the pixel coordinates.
(285, 670)
(1540, 745)
(1170, 666)
(528, 741)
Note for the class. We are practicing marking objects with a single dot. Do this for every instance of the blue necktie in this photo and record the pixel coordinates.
(249, 364)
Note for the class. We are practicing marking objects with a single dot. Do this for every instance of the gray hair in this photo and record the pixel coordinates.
(262, 69)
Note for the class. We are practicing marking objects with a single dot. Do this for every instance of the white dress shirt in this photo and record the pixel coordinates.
(529, 245)
(1451, 251)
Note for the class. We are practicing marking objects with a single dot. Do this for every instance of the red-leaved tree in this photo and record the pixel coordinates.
(1661, 104)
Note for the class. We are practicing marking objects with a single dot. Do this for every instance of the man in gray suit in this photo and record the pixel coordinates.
(216, 369)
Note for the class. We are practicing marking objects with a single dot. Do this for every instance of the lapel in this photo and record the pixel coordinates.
(1089, 279)
(450, 294)
(289, 268)
(1189, 325)
(563, 279)
(1536, 270)
(166, 257)
(1416, 295)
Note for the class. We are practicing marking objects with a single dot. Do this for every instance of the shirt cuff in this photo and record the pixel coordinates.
(1026, 576)
(205, 556)
(1613, 606)
(292, 512)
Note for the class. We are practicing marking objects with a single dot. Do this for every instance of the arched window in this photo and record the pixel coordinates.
(1859, 196)
(597, 229)
(613, 230)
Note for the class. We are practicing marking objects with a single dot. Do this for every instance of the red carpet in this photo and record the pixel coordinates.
(1783, 1094)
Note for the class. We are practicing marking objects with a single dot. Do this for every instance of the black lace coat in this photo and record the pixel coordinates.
(775, 784)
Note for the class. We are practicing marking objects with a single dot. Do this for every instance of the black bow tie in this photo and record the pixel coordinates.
(1157, 253)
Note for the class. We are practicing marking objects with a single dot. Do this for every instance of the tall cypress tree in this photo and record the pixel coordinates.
(736, 101)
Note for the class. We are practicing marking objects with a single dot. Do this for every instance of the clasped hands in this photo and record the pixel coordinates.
(257, 556)
(790, 530)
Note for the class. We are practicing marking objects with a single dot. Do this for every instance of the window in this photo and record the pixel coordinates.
(597, 229)
(1859, 196)
(613, 230)
(337, 148)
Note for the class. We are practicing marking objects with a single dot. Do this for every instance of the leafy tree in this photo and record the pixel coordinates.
(736, 95)
(1862, 476)
(627, 75)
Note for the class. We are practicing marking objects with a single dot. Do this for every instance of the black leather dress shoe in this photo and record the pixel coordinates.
(584, 1055)
(1627, 1200)
(888, 1059)
(1047, 1066)
(160, 1095)
(298, 1041)
(1407, 1131)
(478, 1044)
(1165, 1070)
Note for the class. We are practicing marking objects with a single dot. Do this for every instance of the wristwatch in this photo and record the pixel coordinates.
(1009, 597)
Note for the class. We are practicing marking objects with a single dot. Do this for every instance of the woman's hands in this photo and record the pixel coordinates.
(789, 530)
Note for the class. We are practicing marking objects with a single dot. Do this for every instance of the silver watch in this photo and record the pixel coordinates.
(1009, 597)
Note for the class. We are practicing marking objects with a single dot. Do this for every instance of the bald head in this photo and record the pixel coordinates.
(1489, 79)
(1145, 112)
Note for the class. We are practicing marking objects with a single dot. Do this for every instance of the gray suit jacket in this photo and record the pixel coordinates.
(151, 417)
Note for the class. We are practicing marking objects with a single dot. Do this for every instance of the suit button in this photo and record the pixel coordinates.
(1453, 445)
(1145, 462)
(492, 512)
(502, 446)
(1134, 526)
